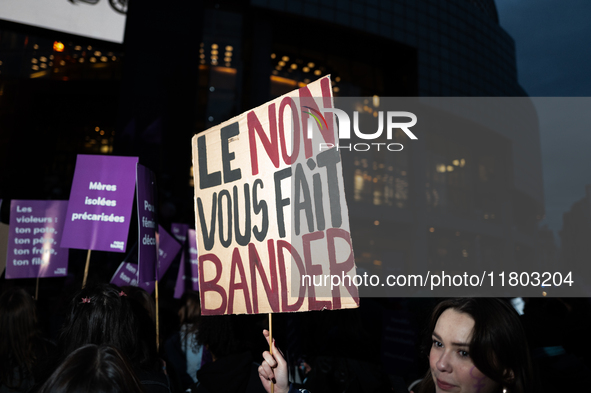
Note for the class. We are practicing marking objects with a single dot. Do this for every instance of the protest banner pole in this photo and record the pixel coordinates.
(86, 270)
(157, 319)
(37, 288)
(271, 344)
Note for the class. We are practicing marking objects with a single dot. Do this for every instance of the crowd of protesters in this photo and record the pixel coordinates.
(108, 343)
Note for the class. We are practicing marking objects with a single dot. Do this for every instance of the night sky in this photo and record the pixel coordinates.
(553, 44)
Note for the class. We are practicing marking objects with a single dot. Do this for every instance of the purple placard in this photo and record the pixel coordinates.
(181, 280)
(35, 232)
(179, 231)
(168, 248)
(126, 274)
(167, 251)
(147, 224)
(179, 288)
(100, 205)
(148, 286)
(194, 257)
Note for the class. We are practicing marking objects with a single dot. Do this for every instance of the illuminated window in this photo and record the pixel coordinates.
(448, 185)
(380, 178)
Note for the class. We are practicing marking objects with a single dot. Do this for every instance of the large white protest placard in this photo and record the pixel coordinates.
(270, 209)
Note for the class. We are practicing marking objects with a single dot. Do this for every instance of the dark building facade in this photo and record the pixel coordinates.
(449, 200)
(576, 229)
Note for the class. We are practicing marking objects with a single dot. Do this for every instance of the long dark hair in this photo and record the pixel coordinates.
(93, 369)
(223, 335)
(143, 298)
(498, 343)
(190, 311)
(104, 315)
(20, 335)
(189, 316)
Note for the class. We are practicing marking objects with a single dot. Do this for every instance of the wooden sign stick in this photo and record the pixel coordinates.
(157, 319)
(271, 344)
(86, 270)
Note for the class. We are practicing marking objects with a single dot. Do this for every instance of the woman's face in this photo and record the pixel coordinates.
(451, 365)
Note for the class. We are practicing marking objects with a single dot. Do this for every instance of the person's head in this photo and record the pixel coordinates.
(93, 369)
(190, 310)
(18, 324)
(143, 298)
(477, 345)
(223, 335)
(104, 315)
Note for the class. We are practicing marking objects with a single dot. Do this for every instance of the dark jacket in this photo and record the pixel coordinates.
(45, 352)
(231, 374)
(154, 382)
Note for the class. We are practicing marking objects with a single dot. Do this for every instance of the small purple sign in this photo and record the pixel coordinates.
(148, 286)
(126, 274)
(179, 231)
(168, 249)
(185, 274)
(147, 224)
(194, 257)
(179, 288)
(36, 229)
(100, 204)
